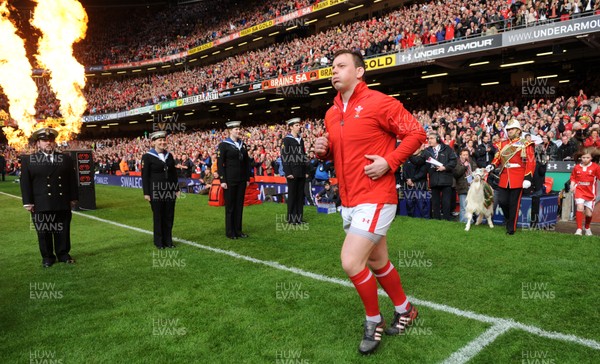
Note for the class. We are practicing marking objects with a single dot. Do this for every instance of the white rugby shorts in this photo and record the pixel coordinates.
(589, 204)
(369, 219)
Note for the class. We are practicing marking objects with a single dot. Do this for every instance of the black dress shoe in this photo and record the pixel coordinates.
(232, 237)
(171, 246)
(68, 260)
(510, 233)
(242, 235)
(47, 264)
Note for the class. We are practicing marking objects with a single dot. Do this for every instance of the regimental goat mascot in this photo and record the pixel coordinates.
(480, 200)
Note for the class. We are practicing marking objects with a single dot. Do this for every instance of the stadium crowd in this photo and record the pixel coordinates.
(135, 36)
(563, 123)
(147, 33)
(407, 27)
(559, 125)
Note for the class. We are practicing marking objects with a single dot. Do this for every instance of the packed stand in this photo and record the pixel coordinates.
(136, 37)
(403, 28)
(559, 124)
(416, 25)
(142, 34)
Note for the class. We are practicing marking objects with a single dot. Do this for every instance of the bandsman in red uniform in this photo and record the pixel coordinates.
(516, 160)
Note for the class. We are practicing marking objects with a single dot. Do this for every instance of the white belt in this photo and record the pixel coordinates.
(584, 183)
(512, 165)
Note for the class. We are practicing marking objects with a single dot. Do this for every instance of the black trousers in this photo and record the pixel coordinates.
(509, 200)
(295, 201)
(54, 234)
(535, 210)
(441, 197)
(234, 208)
(308, 191)
(163, 214)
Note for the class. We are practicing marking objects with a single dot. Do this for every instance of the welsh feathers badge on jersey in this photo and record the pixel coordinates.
(358, 109)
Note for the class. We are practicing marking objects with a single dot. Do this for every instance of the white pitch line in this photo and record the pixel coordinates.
(473, 348)
(495, 321)
(557, 335)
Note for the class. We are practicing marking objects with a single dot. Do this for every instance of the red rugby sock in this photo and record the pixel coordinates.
(389, 279)
(579, 218)
(588, 220)
(366, 286)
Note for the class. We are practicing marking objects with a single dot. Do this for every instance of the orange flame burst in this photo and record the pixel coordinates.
(62, 23)
(16, 81)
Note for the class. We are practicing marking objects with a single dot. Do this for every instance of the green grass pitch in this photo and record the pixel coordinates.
(125, 302)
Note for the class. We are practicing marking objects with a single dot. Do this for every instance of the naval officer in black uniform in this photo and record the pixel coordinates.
(49, 190)
(295, 163)
(233, 166)
(161, 188)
